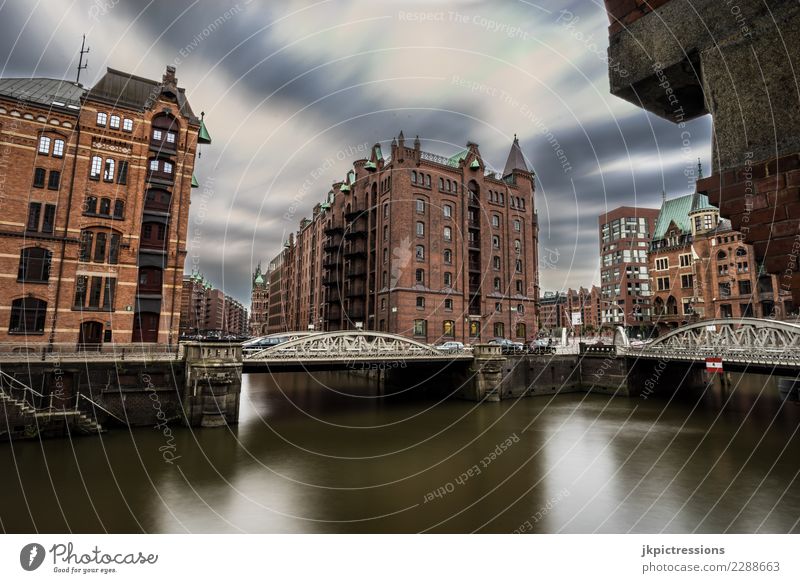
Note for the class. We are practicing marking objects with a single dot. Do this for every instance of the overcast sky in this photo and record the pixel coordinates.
(295, 91)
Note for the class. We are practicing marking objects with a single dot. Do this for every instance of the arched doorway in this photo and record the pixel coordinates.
(91, 335)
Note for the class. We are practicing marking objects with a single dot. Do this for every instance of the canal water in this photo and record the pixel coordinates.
(328, 453)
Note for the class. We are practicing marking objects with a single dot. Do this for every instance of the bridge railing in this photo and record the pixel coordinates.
(18, 352)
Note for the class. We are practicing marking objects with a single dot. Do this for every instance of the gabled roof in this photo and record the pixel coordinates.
(118, 87)
(515, 161)
(43, 91)
(677, 210)
(457, 157)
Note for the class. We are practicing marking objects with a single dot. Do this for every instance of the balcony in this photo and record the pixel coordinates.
(335, 228)
(355, 291)
(355, 249)
(356, 271)
(331, 279)
(332, 244)
(331, 261)
(474, 266)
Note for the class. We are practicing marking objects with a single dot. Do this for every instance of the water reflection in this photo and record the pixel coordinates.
(333, 453)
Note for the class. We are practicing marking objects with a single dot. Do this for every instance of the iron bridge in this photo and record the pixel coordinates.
(743, 341)
(347, 348)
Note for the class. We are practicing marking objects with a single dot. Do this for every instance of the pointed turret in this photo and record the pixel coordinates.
(515, 161)
(401, 140)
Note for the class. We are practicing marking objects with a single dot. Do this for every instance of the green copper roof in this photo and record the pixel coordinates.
(344, 188)
(677, 210)
(195, 184)
(370, 165)
(259, 279)
(203, 137)
(456, 158)
(378, 153)
(475, 164)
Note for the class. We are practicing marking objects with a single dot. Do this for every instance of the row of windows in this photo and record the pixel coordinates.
(40, 177)
(94, 293)
(102, 207)
(114, 122)
(108, 170)
(41, 218)
(99, 247)
(449, 329)
(448, 185)
(420, 179)
(51, 146)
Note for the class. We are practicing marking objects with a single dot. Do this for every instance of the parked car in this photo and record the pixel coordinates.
(509, 346)
(541, 346)
(450, 346)
(262, 343)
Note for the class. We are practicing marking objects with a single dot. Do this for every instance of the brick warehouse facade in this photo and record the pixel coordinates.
(681, 59)
(95, 211)
(702, 269)
(417, 244)
(259, 303)
(625, 233)
(206, 310)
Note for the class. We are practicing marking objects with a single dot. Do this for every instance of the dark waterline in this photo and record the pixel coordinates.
(328, 454)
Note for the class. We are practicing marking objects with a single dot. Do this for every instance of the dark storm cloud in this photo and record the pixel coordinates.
(296, 91)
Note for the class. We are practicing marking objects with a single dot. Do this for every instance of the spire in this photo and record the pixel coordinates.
(516, 161)
(401, 140)
(416, 143)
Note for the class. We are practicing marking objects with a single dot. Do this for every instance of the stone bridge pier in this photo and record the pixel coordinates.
(212, 384)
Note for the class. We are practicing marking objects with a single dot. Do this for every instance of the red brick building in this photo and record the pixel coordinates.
(206, 310)
(735, 61)
(584, 306)
(95, 187)
(259, 303)
(701, 268)
(417, 244)
(625, 235)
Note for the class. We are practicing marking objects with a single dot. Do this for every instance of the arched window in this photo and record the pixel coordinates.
(522, 331)
(108, 172)
(448, 234)
(34, 265)
(419, 276)
(105, 207)
(448, 256)
(447, 211)
(420, 228)
(27, 316)
(499, 330)
(420, 302)
(44, 145)
(496, 262)
(119, 209)
(91, 205)
(428, 180)
(420, 252)
(520, 309)
(496, 221)
(741, 252)
(449, 328)
(721, 255)
(441, 183)
(96, 168)
(413, 177)
(496, 284)
(448, 279)
(99, 246)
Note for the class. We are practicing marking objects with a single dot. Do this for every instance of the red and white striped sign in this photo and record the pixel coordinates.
(714, 365)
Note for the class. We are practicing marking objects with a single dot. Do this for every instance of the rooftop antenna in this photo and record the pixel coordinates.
(81, 64)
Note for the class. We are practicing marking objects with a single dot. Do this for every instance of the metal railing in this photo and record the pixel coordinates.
(14, 352)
